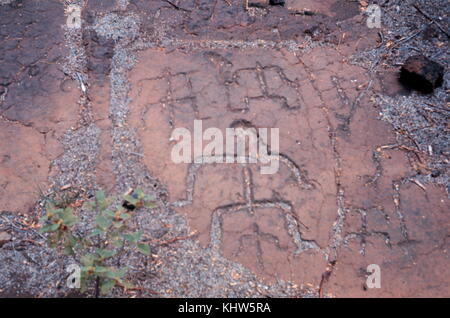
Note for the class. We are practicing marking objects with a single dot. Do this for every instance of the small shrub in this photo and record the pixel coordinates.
(110, 237)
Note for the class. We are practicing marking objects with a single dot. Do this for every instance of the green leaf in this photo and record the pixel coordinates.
(131, 199)
(83, 287)
(150, 205)
(144, 249)
(68, 217)
(102, 271)
(133, 237)
(69, 243)
(139, 194)
(102, 222)
(106, 286)
(43, 219)
(128, 237)
(118, 273)
(89, 205)
(117, 224)
(58, 213)
(84, 242)
(104, 254)
(117, 243)
(51, 207)
(72, 239)
(49, 228)
(88, 259)
(125, 216)
(101, 199)
(126, 284)
(84, 283)
(99, 195)
(109, 213)
(51, 242)
(68, 250)
(86, 274)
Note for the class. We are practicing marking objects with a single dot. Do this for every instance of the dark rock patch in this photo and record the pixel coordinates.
(421, 74)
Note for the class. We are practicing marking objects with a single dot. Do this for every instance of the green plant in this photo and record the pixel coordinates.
(110, 237)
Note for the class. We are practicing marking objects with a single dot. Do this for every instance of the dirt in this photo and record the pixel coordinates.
(363, 175)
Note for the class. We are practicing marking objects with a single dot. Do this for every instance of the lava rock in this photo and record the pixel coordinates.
(422, 74)
(33, 70)
(435, 173)
(315, 33)
(4, 238)
(130, 206)
(258, 3)
(276, 2)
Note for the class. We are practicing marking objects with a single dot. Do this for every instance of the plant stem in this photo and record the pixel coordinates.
(97, 286)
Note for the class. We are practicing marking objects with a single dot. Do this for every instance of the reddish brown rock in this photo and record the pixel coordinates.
(39, 102)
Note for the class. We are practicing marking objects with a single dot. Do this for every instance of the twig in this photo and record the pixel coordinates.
(136, 154)
(175, 239)
(176, 6)
(151, 291)
(405, 148)
(97, 287)
(380, 34)
(437, 107)
(406, 39)
(325, 277)
(24, 230)
(426, 15)
(80, 79)
(419, 184)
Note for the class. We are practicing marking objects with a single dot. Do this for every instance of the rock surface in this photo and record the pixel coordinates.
(95, 107)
